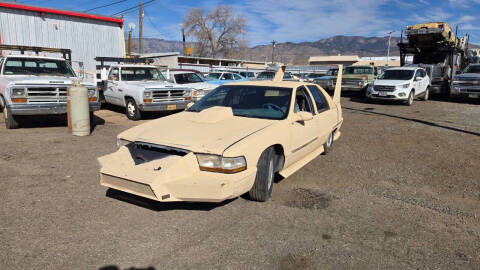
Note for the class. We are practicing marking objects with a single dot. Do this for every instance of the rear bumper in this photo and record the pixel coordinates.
(164, 106)
(45, 109)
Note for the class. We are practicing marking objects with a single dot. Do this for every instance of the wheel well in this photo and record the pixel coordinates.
(127, 98)
(279, 157)
(2, 102)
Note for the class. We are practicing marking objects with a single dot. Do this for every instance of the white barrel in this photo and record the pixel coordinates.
(79, 110)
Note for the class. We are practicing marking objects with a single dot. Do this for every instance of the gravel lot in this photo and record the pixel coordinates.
(399, 190)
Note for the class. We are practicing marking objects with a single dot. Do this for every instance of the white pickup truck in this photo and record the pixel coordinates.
(140, 88)
(37, 85)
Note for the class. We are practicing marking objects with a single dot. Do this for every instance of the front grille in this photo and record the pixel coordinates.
(384, 88)
(46, 94)
(470, 90)
(354, 82)
(168, 95)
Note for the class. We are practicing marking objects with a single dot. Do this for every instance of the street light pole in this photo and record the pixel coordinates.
(273, 51)
(388, 50)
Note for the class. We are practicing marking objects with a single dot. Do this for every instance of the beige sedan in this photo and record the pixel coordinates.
(232, 141)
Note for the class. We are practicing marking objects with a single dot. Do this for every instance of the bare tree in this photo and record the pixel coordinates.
(217, 31)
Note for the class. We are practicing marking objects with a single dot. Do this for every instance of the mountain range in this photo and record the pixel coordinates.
(296, 53)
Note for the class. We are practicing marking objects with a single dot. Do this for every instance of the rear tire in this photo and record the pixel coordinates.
(132, 111)
(426, 95)
(263, 185)
(10, 121)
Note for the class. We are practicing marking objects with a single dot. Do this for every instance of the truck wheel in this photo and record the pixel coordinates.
(263, 185)
(328, 144)
(409, 101)
(426, 95)
(132, 111)
(10, 121)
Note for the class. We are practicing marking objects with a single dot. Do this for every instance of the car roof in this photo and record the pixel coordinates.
(405, 68)
(180, 72)
(132, 65)
(33, 56)
(286, 84)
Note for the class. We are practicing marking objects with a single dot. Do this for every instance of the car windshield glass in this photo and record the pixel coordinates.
(141, 74)
(213, 76)
(396, 74)
(266, 75)
(472, 69)
(358, 70)
(37, 67)
(332, 72)
(187, 78)
(248, 101)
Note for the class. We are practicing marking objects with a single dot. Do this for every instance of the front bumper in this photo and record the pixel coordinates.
(45, 109)
(351, 87)
(470, 91)
(390, 95)
(173, 178)
(164, 106)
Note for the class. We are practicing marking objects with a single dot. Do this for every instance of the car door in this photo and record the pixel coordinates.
(426, 80)
(304, 134)
(417, 82)
(111, 90)
(325, 116)
(227, 77)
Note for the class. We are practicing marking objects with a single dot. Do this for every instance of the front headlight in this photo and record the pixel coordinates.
(122, 142)
(92, 92)
(147, 95)
(405, 85)
(18, 92)
(215, 163)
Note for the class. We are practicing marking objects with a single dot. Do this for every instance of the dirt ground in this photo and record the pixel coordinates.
(399, 190)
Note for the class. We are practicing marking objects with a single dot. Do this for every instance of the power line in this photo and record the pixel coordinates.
(152, 24)
(130, 9)
(107, 5)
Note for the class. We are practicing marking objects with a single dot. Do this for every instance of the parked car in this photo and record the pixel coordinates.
(245, 133)
(37, 85)
(248, 74)
(269, 75)
(357, 78)
(141, 88)
(402, 83)
(192, 80)
(220, 78)
(468, 83)
(327, 82)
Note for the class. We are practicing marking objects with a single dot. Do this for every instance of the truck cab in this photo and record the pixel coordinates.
(37, 85)
(141, 88)
(357, 78)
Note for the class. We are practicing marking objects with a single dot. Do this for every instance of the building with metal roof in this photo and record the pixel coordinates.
(87, 35)
(333, 60)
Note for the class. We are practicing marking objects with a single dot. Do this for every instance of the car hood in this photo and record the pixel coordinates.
(468, 76)
(39, 80)
(210, 131)
(391, 82)
(200, 85)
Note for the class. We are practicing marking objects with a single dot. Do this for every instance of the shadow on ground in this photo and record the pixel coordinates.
(163, 206)
(145, 115)
(114, 267)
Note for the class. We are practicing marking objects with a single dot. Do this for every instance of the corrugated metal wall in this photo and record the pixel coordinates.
(86, 38)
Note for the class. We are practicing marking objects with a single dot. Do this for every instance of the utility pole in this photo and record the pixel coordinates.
(273, 51)
(183, 41)
(140, 28)
(388, 50)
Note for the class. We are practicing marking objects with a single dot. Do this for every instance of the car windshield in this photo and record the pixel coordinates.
(473, 69)
(266, 75)
(141, 74)
(213, 76)
(187, 78)
(37, 67)
(358, 70)
(397, 74)
(332, 72)
(248, 101)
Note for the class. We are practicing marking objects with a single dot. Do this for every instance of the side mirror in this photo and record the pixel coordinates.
(190, 104)
(303, 116)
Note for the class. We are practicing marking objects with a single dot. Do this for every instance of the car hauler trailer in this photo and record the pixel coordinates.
(438, 50)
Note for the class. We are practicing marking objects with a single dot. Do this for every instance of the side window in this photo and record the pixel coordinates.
(113, 76)
(237, 77)
(320, 100)
(303, 103)
(424, 73)
(418, 73)
(227, 76)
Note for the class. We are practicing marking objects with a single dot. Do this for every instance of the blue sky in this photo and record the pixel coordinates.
(296, 20)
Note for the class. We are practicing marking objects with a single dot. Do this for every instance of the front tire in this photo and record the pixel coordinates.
(132, 111)
(411, 96)
(10, 121)
(328, 144)
(263, 185)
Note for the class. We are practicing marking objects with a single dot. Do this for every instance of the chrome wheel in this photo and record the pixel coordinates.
(131, 109)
